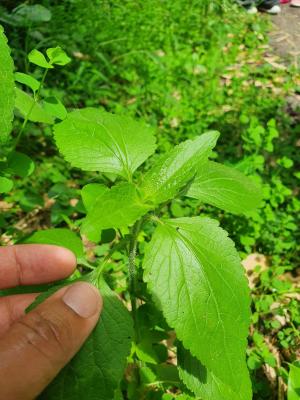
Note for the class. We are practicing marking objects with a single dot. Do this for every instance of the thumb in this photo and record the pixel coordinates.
(38, 346)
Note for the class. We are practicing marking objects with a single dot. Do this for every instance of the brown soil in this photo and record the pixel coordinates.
(285, 37)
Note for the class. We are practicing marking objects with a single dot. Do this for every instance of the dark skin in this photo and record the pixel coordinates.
(34, 347)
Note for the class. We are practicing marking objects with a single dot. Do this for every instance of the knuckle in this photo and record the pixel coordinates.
(50, 335)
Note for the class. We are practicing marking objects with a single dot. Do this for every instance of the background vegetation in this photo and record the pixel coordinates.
(185, 67)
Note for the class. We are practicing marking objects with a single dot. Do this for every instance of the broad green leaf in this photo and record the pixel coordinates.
(5, 184)
(20, 164)
(28, 14)
(38, 58)
(225, 188)
(95, 372)
(117, 207)
(7, 97)
(31, 110)
(55, 107)
(95, 140)
(174, 170)
(294, 383)
(27, 80)
(203, 382)
(195, 276)
(145, 352)
(90, 194)
(57, 56)
(59, 237)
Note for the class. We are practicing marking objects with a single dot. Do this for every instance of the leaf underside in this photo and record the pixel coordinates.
(7, 98)
(95, 372)
(226, 188)
(95, 140)
(196, 278)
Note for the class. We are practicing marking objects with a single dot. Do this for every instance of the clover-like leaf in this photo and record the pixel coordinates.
(196, 278)
(174, 170)
(38, 58)
(7, 98)
(57, 56)
(95, 140)
(226, 188)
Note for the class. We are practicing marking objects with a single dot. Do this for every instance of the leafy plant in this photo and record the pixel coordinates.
(29, 107)
(191, 267)
(188, 270)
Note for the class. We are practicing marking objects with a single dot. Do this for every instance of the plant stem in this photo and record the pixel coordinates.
(120, 245)
(35, 99)
(133, 273)
(132, 289)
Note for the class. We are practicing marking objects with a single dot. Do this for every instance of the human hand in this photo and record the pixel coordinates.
(36, 346)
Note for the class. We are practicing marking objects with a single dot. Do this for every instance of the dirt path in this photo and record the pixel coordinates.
(285, 38)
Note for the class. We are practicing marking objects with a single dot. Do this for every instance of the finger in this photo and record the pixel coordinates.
(13, 308)
(29, 264)
(37, 346)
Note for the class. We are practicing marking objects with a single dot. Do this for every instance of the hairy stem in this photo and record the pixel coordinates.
(132, 288)
(133, 273)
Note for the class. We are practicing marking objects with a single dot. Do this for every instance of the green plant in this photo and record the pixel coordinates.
(189, 269)
(29, 108)
(294, 381)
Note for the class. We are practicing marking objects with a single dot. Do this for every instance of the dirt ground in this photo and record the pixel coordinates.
(285, 37)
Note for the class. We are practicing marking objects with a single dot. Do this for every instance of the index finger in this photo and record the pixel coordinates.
(30, 264)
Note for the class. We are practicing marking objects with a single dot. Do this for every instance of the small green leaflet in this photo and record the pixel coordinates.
(112, 208)
(27, 80)
(20, 164)
(7, 98)
(95, 372)
(204, 383)
(174, 170)
(95, 140)
(225, 188)
(30, 109)
(294, 382)
(57, 56)
(59, 237)
(38, 58)
(195, 276)
(5, 184)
